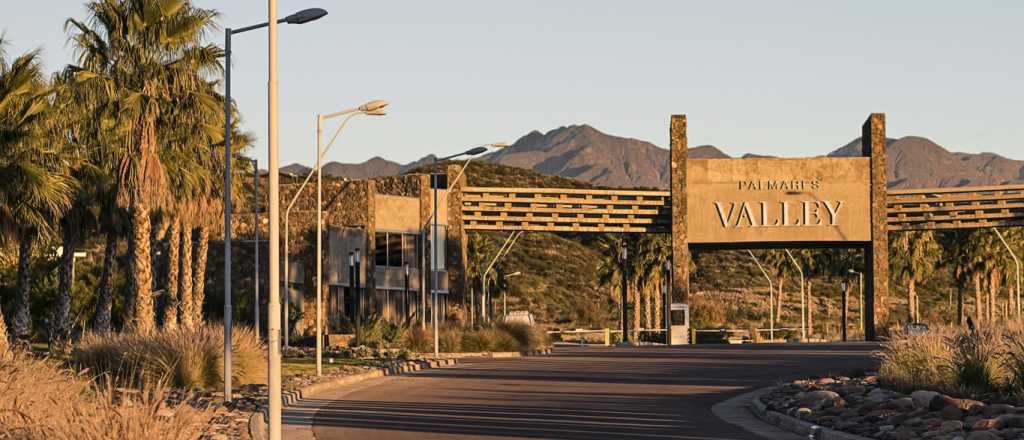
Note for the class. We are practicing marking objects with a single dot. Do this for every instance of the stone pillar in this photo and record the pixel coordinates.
(457, 242)
(876, 254)
(680, 290)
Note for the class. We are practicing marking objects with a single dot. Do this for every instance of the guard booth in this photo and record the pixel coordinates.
(680, 327)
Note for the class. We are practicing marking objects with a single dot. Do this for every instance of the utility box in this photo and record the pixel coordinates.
(679, 313)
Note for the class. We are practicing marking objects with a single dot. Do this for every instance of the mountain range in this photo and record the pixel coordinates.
(584, 153)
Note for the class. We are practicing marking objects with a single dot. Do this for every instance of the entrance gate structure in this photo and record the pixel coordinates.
(747, 203)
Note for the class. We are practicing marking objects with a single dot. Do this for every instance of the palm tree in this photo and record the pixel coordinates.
(913, 256)
(481, 251)
(145, 55)
(37, 187)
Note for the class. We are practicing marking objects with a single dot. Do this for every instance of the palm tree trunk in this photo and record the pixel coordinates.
(912, 298)
(173, 254)
(199, 274)
(993, 291)
(61, 315)
(143, 319)
(104, 296)
(659, 312)
(810, 310)
(977, 298)
(647, 308)
(185, 276)
(4, 345)
(22, 317)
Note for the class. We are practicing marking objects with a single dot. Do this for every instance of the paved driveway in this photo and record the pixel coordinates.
(576, 393)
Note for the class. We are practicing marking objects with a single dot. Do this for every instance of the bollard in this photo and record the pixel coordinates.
(607, 337)
(693, 335)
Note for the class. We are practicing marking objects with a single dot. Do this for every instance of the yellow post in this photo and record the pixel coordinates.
(607, 337)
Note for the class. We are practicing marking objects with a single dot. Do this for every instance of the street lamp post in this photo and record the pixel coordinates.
(300, 17)
(771, 297)
(803, 299)
(405, 297)
(504, 301)
(843, 288)
(485, 297)
(1016, 261)
(433, 244)
(370, 108)
(860, 286)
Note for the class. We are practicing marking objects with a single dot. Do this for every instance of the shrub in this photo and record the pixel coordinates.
(975, 361)
(39, 400)
(450, 340)
(528, 337)
(186, 358)
(376, 332)
(418, 340)
(911, 362)
(489, 339)
(1013, 360)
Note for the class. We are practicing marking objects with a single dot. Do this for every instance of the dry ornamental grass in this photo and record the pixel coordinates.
(39, 400)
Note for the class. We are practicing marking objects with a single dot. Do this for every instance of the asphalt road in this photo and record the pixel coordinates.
(576, 393)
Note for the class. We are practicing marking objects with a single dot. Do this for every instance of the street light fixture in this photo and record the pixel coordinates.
(273, 307)
(434, 237)
(504, 301)
(372, 108)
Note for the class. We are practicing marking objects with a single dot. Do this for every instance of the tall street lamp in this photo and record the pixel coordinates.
(434, 236)
(623, 257)
(504, 301)
(304, 16)
(485, 298)
(373, 108)
(273, 306)
(256, 243)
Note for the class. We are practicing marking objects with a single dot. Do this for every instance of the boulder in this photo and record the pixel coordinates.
(951, 412)
(983, 435)
(928, 399)
(903, 404)
(822, 399)
(996, 409)
(986, 424)
(1011, 420)
(951, 426)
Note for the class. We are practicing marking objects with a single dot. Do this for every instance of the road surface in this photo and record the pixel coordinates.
(576, 393)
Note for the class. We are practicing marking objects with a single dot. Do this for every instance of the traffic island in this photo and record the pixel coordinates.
(852, 408)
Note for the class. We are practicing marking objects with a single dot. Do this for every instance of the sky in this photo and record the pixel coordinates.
(789, 78)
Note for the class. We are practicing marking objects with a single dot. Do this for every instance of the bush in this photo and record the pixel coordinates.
(489, 339)
(975, 361)
(376, 332)
(39, 400)
(911, 362)
(186, 358)
(418, 340)
(528, 337)
(450, 340)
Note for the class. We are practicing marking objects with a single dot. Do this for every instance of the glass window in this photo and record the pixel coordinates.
(381, 251)
(394, 250)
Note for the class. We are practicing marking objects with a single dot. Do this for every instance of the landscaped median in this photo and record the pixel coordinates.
(945, 384)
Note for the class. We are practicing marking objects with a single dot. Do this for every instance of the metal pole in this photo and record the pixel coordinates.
(227, 215)
(256, 216)
(771, 297)
(668, 302)
(319, 252)
(1015, 261)
(803, 300)
(433, 264)
(842, 318)
(422, 313)
(287, 280)
(273, 312)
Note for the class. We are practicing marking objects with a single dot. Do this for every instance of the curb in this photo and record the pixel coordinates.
(496, 354)
(258, 420)
(794, 424)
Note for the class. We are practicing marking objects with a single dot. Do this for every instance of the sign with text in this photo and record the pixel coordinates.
(823, 199)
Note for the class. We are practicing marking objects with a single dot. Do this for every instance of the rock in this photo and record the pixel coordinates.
(903, 404)
(897, 419)
(986, 424)
(928, 399)
(803, 412)
(951, 426)
(983, 435)
(1011, 420)
(996, 409)
(826, 381)
(822, 399)
(847, 390)
(878, 395)
(951, 412)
